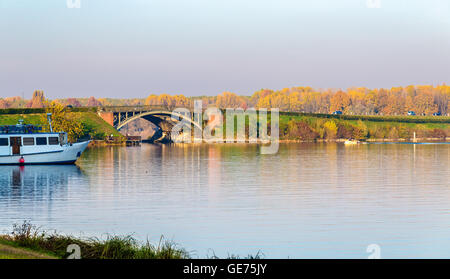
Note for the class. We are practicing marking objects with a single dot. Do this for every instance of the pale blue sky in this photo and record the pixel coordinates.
(132, 48)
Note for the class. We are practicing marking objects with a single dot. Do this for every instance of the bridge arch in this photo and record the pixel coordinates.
(162, 119)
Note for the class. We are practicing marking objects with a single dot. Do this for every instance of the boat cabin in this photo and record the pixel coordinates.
(26, 139)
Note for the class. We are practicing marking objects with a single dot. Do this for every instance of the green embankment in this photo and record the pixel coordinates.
(308, 127)
(12, 119)
(93, 125)
(10, 250)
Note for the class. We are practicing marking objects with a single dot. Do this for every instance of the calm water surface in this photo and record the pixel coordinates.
(308, 200)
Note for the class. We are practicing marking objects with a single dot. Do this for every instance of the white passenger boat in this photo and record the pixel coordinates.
(24, 144)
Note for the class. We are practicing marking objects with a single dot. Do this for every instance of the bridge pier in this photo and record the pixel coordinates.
(107, 116)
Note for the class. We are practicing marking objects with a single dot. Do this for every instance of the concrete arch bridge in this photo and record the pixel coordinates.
(160, 116)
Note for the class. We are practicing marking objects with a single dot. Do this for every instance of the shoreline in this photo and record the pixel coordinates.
(417, 140)
(28, 241)
(103, 143)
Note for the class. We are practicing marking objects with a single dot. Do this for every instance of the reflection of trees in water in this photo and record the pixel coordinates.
(36, 182)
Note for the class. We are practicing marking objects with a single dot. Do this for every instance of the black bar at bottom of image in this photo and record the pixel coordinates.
(198, 269)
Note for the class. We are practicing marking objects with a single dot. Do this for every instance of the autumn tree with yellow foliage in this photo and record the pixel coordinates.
(168, 101)
(62, 121)
(230, 100)
(423, 100)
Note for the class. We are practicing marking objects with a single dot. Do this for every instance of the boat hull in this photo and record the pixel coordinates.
(66, 155)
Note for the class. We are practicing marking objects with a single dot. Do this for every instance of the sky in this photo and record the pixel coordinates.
(134, 48)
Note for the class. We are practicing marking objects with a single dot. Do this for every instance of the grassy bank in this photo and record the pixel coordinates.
(29, 242)
(307, 127)
(10, 250)
(311, 127)
(93, 125)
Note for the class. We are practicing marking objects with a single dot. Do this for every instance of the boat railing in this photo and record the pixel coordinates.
(19, 129)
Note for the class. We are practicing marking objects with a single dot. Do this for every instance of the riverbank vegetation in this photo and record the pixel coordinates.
(302, 127)
(28, 241)
(293, 126)
(312, 127)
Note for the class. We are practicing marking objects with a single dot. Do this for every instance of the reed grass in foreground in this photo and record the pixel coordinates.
(27, 241)
(52, 245)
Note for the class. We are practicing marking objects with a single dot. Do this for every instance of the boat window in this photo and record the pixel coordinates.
(63, 138)
(28, 141)
(4, 142)
(41, 141)
(53, 140)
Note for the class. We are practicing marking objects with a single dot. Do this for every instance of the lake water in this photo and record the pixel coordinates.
(317, 200)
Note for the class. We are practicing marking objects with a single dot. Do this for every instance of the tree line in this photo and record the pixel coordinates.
(422, 99)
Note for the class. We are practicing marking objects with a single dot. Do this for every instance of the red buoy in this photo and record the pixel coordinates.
(21, 160)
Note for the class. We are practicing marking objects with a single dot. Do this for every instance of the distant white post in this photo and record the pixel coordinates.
(49, 118)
